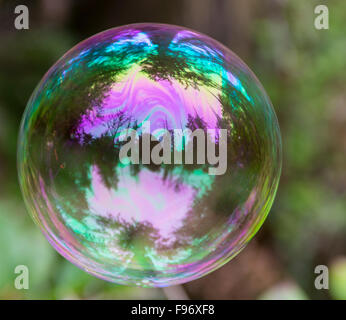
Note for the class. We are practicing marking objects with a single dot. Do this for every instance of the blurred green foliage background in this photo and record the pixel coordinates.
(303, 71)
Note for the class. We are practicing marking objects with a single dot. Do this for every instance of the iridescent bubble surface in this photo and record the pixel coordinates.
(146, 223)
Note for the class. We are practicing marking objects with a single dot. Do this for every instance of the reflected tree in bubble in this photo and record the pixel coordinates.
(148, 224)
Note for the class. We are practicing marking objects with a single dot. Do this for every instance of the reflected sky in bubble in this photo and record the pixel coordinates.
(147, 224)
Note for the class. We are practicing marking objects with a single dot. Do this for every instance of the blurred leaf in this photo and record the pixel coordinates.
(284, 291)
(338, 278)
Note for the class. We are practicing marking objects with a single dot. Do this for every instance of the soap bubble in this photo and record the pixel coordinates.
(149, 155)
